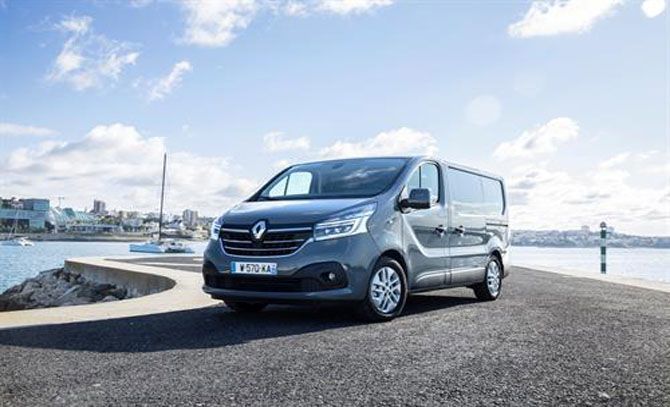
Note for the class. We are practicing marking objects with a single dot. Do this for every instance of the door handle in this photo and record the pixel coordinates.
(459, 230)
(440, 230)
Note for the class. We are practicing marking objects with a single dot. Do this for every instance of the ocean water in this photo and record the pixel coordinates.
(19, 263)
(645, 264)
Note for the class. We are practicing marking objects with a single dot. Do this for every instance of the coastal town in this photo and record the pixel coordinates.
(40, 220)
(37, 218)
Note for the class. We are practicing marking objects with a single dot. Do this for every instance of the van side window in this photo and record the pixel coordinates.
(493, 196)
(426, 176)
(466, 190)
(296, 183)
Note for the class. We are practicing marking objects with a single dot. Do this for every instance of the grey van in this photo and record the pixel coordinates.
(363, 231)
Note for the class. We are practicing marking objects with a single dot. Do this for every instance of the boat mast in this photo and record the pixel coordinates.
(160, 216)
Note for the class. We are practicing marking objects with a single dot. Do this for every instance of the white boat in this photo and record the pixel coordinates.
(161, 245)
(13, 240)
(18, 241)
(151, 246)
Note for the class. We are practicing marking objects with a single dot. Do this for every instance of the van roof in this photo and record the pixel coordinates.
(413, 158)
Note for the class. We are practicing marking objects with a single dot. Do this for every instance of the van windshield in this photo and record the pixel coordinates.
(351, 178)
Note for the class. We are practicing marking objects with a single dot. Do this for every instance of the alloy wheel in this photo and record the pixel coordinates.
(386, 290)
(493, 278)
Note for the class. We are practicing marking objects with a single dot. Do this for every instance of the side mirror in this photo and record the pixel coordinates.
(419, 198)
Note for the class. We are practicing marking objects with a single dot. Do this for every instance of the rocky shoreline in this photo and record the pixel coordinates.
(56, 288)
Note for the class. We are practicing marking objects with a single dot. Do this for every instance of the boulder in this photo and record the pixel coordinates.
(57, 287)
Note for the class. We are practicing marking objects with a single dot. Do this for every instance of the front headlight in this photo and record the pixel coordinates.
(214, 230)
(347, 223)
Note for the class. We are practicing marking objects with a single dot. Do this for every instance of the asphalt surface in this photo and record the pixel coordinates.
(549, 340)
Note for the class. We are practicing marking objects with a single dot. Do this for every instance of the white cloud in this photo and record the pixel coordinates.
(561, 17)
(86, 59)
(13, 129)
(483, 110)
(140, 3)
(542, 198)
(295, 8)
(615, 160)
(275, 141)
(540, 140)
(213, 23)
(216, 23)
(164, 86)
(401, 141)
(653, 8)
(344, 7)
(117, 164)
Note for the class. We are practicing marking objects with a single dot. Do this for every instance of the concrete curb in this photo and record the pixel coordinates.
(164, 290)
(633, 282)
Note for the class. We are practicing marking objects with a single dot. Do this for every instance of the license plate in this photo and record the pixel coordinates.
(253, 268)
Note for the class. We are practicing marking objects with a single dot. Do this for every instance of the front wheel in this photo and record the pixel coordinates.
(247, 307)
(387, 292)
(490, 288)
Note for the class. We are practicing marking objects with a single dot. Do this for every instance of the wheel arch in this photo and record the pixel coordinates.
(498, 255)
(397, 256)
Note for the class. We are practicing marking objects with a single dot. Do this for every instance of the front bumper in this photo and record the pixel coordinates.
(301, 276)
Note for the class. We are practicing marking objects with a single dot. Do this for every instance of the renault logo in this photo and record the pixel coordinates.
(258, 230)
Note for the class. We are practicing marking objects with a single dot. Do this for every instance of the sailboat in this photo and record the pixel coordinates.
(160, 245)
(16, 240)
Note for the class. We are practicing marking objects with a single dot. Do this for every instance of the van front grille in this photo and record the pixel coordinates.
(237, 241)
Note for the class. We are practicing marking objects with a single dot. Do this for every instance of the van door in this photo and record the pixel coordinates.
(468, 249)
(425, 230)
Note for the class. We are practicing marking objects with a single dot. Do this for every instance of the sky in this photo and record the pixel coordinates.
(568, 99)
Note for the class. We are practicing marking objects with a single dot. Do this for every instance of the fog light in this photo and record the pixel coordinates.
(332, 276)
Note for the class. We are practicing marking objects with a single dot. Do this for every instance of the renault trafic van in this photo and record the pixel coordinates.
(363, 231)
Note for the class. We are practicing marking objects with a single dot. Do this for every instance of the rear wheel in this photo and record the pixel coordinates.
(387, 292)
(242, 306)
(490, 288)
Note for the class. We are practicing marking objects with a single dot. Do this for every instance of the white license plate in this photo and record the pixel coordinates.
(253, 268)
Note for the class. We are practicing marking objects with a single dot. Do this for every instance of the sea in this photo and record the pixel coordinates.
(19, 263)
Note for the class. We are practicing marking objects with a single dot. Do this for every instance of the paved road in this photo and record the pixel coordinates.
(549, 340)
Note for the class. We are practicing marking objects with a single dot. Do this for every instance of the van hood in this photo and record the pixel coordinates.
(288, 212)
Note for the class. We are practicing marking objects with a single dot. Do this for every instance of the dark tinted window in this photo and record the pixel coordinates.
(336, 179)
(426, 176)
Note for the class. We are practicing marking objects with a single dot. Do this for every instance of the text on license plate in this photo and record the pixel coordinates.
(253, 268)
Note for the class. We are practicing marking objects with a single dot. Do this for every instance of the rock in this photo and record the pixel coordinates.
(53, 288)
(118, 292)
(604, 396)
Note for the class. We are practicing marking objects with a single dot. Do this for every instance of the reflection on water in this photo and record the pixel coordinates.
(647, 264)
(19, 263)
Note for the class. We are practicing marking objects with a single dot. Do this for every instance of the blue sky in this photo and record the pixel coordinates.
(567, 99)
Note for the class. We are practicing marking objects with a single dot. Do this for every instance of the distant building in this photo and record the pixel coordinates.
(26, 214)
(70, 220)
(586, 229)
(99, 207)
(190, 218)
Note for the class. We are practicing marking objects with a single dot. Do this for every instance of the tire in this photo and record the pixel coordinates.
(388, 299)
(245, 307)
(491, 287)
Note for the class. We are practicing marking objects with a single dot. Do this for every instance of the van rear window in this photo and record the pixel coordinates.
(476, 194)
